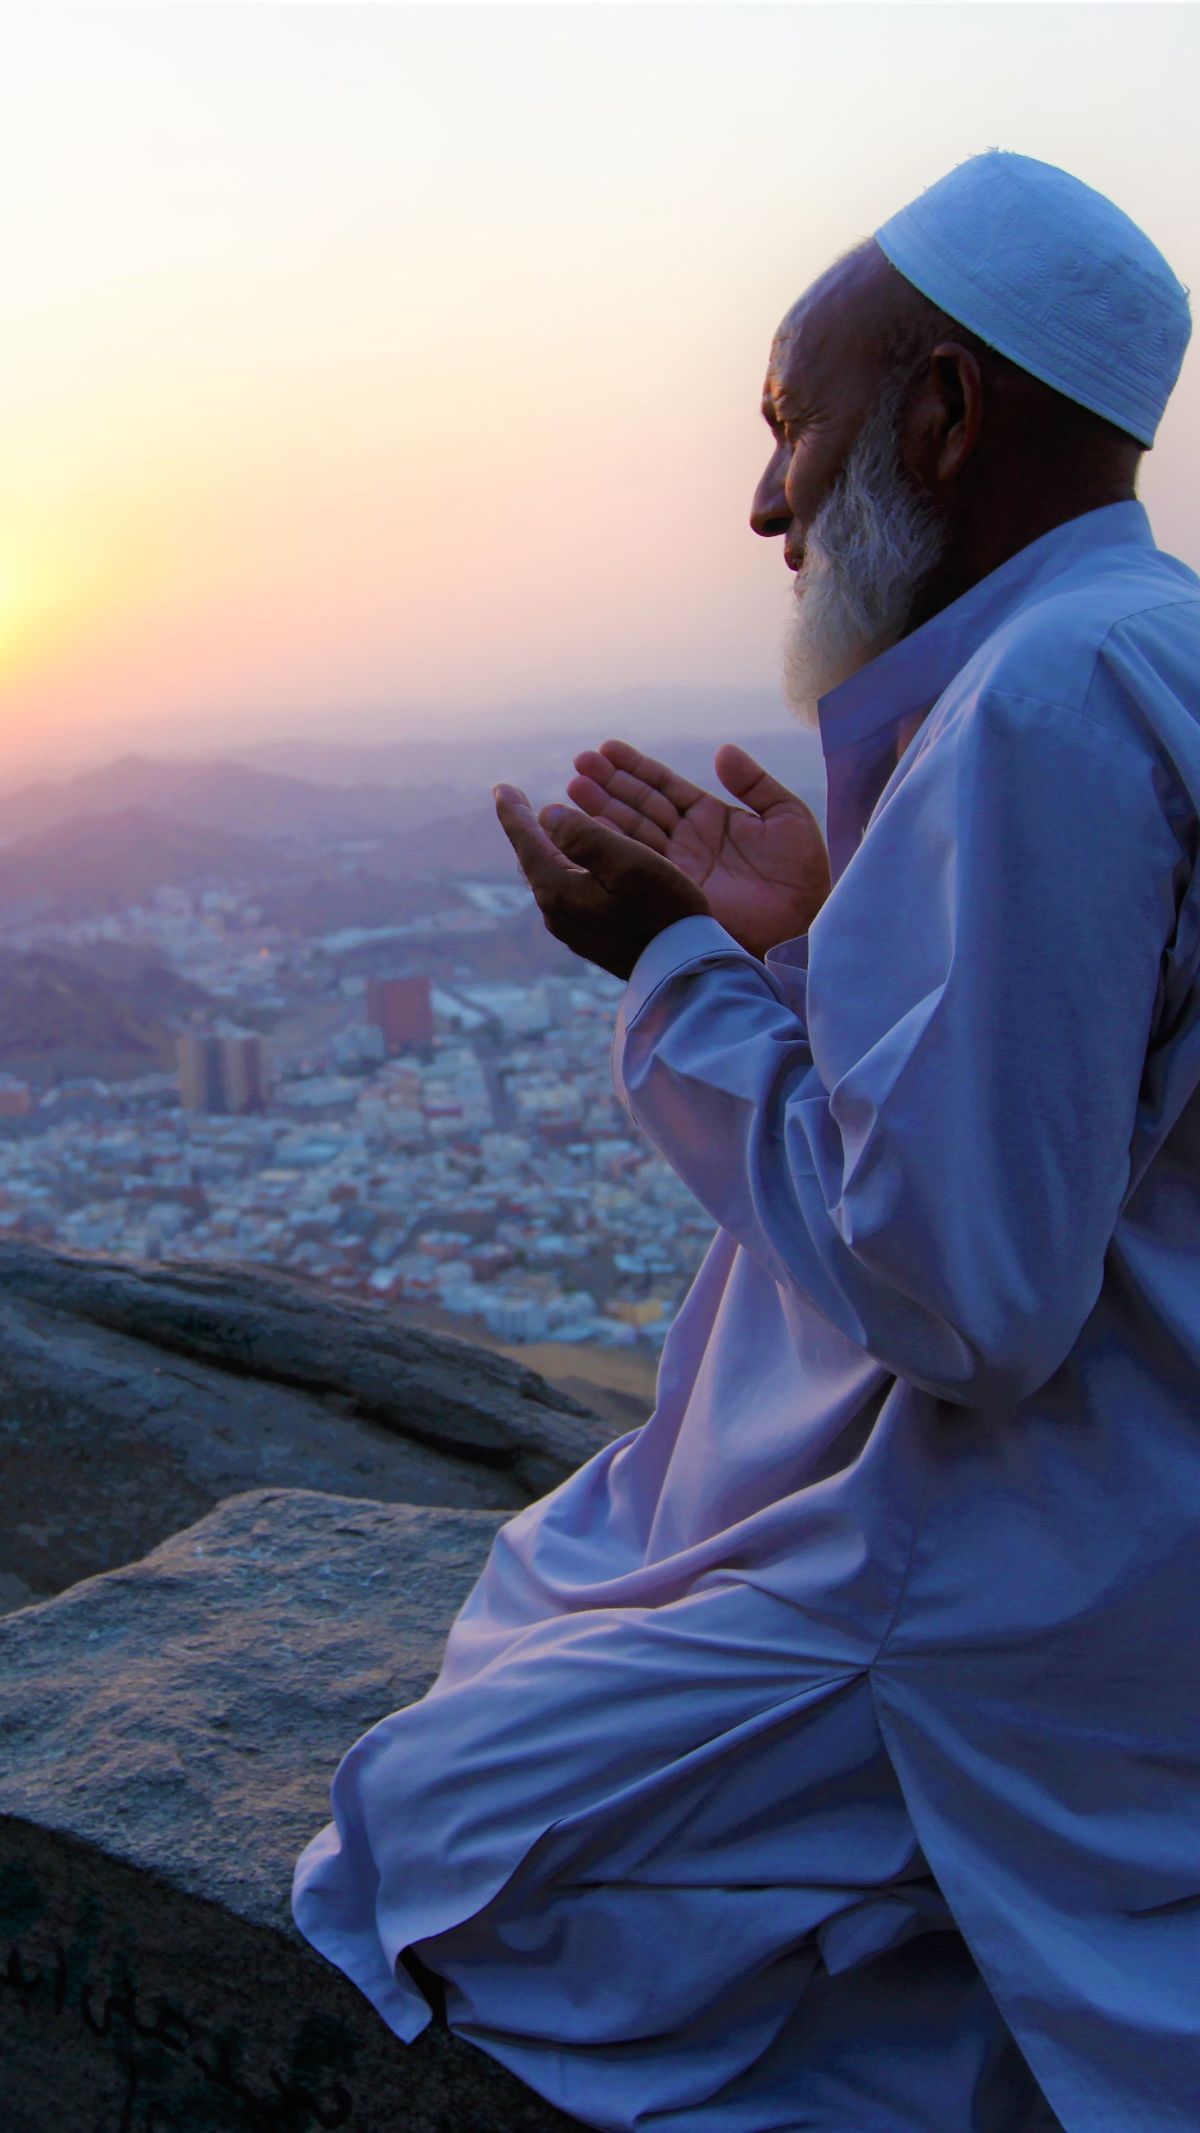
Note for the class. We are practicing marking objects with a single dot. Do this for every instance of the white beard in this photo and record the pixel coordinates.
(870, 547)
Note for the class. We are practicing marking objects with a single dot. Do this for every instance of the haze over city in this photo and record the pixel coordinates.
(386, 374)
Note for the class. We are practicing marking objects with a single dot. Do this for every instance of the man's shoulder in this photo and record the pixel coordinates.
(1117, 642)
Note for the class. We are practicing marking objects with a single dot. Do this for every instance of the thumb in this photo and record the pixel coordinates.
(588, 843)
(750, 783)
(609, 857)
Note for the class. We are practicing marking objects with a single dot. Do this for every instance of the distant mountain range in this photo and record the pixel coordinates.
(330, 789)
(231, 797)
(316, 856)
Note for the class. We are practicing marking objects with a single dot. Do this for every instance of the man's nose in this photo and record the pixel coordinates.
(769, 513)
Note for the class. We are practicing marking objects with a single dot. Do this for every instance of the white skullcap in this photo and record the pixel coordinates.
(1052, 275)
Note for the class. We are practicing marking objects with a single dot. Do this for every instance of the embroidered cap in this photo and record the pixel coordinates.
(1052, 275)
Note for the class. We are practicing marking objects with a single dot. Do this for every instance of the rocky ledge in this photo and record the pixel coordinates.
(170, 1733)
(134, 1398)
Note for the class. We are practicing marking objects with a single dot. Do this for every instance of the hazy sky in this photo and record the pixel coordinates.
(363, 357)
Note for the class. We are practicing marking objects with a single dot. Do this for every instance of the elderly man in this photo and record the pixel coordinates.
(825, 1754)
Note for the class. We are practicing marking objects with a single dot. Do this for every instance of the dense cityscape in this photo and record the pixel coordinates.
(367, 1107)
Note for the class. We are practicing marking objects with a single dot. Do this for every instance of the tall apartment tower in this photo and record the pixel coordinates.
(244, 1072)
(200, 1073)
(222, 1071)
(403, 1009)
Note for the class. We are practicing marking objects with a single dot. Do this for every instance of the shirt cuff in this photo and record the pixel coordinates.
(698, 939)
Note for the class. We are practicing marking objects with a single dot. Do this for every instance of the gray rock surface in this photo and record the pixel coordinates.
(170, 1734)
(134, 1398)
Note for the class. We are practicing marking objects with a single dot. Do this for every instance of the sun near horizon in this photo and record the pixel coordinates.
(381, 368)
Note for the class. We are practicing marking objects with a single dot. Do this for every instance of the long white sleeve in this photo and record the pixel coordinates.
(931, 1138)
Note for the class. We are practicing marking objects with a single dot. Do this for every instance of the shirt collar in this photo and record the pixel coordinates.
(911, 674)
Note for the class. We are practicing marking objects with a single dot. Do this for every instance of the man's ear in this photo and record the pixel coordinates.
(957, 386)
(945, 417)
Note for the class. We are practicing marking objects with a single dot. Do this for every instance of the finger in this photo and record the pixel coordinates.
(632, 792)
(594, 800)
(613, 860)
(540, 859)
(750, 783)
(679, 790)
(625, 786)
(591, 764)
(647, 799)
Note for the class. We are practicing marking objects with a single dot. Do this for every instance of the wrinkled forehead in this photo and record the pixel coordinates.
(828, 346)
(803, 355)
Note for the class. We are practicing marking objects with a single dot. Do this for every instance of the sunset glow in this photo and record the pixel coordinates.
(363, 359)
(18, 613)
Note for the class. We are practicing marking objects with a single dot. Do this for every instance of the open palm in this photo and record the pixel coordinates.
(762, 864)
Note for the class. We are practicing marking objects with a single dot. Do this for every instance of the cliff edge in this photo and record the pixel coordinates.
(171, 1730)
(172, 1723)
(133, 1398)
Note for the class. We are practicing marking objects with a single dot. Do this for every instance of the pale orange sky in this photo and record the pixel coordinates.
(364, 357)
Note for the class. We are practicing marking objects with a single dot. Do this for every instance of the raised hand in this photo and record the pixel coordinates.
(601, 894)
(762, 864)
